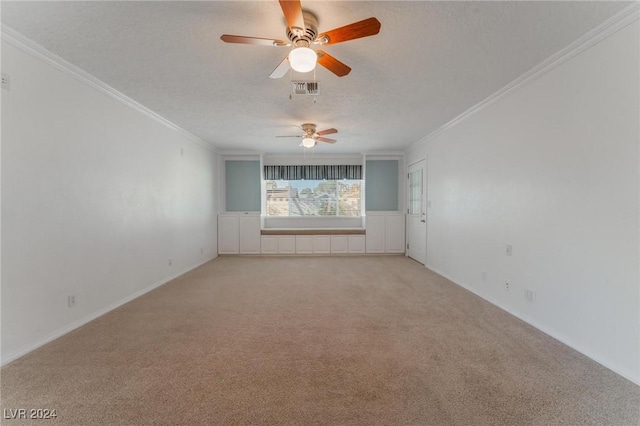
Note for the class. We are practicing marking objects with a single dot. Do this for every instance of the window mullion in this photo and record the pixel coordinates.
(289, 197)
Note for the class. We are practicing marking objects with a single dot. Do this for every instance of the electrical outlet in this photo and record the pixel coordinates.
(530, 295)
(484, 276)
(71, 300)
(6, 81)
(509, 250)
(170, 262)
(201, 251)
(507, 285)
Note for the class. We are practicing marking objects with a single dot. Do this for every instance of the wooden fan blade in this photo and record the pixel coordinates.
(327, 140)
(332, 64)
(292, 10)
(327, 132)
(228, 38)
(365, 28)
(281, 69)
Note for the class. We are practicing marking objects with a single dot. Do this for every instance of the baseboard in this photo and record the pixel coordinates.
(535, 324)
(82, 321)
(311, 254)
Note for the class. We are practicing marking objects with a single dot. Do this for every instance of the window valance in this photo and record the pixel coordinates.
(312, 172)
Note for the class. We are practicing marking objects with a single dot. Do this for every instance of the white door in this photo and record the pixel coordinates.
(416, 213)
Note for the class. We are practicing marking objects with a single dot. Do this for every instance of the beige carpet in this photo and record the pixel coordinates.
(314, 340)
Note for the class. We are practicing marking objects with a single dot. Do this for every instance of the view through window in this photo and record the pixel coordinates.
(313, 197)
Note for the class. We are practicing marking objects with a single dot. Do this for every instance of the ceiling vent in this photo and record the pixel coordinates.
(305, 88)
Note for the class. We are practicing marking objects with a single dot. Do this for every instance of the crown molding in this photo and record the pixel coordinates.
(615, 23)
(34, 49)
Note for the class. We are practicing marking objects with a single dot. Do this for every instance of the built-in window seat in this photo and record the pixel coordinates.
(314, 231)
(249, 233)
(313, 235)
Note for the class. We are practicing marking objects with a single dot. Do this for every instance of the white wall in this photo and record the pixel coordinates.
(553, 169)
(97, 197)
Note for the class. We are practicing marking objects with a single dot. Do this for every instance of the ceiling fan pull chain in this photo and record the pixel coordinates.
(291, 92)
(314, 84)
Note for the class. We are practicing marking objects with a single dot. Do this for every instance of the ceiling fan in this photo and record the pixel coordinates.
(302, 32)
(310, 137)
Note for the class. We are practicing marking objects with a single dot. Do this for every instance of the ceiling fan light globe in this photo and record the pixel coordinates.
(303, 59)
(308, 142)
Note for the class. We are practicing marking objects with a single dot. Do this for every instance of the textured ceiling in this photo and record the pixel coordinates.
(430, 62)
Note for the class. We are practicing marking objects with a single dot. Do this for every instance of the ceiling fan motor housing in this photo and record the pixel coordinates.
(309, 129)
(304, 37)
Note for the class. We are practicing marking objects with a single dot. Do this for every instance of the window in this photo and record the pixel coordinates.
(313, 190)
(415, 191)
(314, 197)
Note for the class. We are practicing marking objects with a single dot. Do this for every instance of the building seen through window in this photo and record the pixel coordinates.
(313, 197)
